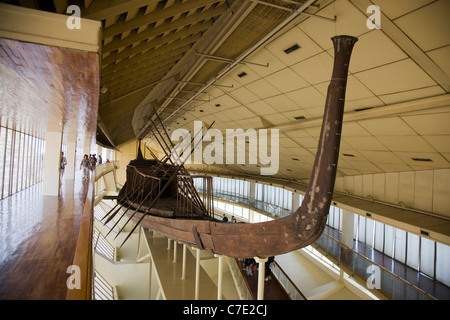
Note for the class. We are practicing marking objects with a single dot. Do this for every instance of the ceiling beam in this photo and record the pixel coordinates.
(145, 58)
(125, 86)
(157, 15)
(105, 131)
(379, 112)
(241, 57)
(151, 66)
(61, 6)
(186, 32)
(163, 28)
(100, 10)
(391, 30)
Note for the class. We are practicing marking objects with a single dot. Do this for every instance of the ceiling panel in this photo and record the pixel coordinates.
(440, 57)
(364, 143)
(410, 95)
(405, 143)
(349, 21)
(421, 25)
(395, 77)
(367, 53)
(429, 124)
(263, 88)
(261, 108)
(397, 8)
(316, 69)
(287, 80)
(295, 36)
(393, 126)
(307, 97)
(441, 143)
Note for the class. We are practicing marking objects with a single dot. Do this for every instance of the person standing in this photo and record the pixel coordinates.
(63, 162)
(85, 165)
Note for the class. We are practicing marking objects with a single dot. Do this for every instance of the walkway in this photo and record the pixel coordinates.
(38, 239)
(418, 279)
(272, 289)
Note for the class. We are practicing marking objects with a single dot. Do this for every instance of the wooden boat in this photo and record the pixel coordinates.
(160, 194)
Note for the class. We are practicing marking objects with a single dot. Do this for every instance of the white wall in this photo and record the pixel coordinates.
(427, 190)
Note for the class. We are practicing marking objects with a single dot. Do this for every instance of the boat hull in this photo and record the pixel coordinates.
(239, 240)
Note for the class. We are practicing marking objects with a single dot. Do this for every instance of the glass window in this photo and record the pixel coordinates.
(370, 231)
(20, 142)
(362, 229)
(400, 245)
(389, 240)
(238, 211)
(7, 163)
(16, 161)
(2, 156)
(443, 263)
(245, 213)
(427, 256)
(379, 236)
(412, 254)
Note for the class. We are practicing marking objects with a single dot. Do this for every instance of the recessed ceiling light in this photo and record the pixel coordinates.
(292, 48)
(362, 109)
(422, 159)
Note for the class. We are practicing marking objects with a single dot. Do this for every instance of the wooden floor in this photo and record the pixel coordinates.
(38, 239)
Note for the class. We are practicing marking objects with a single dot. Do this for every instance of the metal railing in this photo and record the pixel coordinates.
(102, 246)
(390, 284)
(102, 290)
(239, 280)
(381, 279)
(287, 284)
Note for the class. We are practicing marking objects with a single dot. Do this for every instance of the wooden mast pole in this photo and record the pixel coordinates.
(311, 216)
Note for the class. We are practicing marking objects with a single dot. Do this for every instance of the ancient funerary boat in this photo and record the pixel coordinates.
(160, 194)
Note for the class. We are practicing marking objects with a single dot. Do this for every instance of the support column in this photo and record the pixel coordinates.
(252, 191)
(295, 201)
(197, 274)
(52, 164)
(261, 272)
(174, 251)
(348, 219)
(219, 277)
(183, 268)
(69, 172)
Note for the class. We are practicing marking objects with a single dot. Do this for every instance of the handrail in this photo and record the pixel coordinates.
(245, 280)
(83, 257)
(373, 263)
(144, 174)
(250, 205)
(110, 290)
(235, 262)
(290, 280)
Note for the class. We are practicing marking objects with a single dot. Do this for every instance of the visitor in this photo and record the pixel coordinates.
(85, 165)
